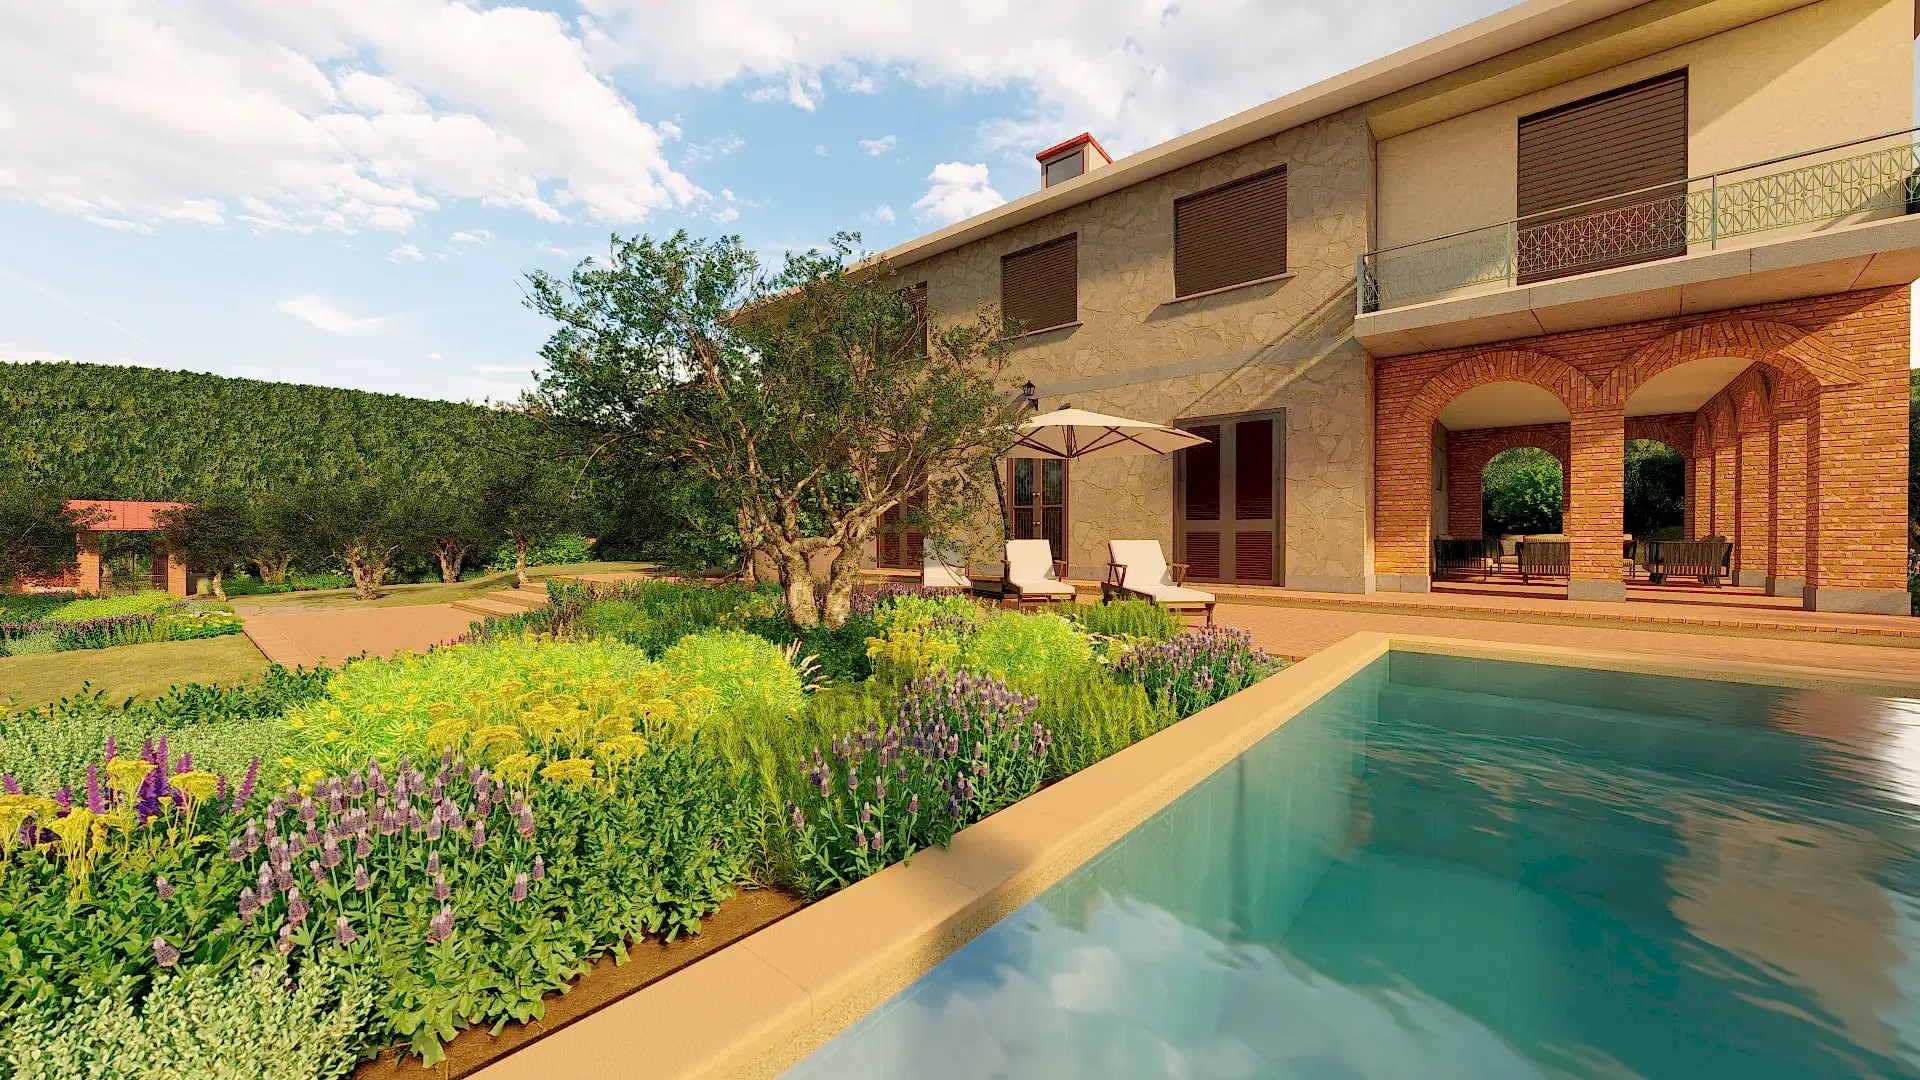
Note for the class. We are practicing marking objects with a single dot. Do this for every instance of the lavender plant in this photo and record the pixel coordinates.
(963, 746)
(1197, 668)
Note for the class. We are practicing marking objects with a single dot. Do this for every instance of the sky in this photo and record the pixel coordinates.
(351, 192)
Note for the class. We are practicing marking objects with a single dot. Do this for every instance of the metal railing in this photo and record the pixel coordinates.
(1651, 223)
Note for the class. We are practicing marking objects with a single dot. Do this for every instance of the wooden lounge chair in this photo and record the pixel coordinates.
(1032, 575)
(1139, 568)
(942, 568)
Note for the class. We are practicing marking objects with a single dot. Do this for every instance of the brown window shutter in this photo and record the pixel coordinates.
(1040, 287)
(1626, 140)
(1203, 556)
(1253, 471)
(1253, 557)
(1231, 234)
(1203, 475)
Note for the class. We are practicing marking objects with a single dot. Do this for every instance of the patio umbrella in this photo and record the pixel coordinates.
(1069, 434)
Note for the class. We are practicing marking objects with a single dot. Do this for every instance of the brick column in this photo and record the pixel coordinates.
(1700, 484)
(1593, 514)
(1787, 565)
(1726, 487)
(1857, 499)
(1466, 487)
(1751, 556)
(1403, 504)
(88, 543)
(170, 570)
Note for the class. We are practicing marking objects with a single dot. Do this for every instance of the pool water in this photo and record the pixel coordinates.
(1456, 868)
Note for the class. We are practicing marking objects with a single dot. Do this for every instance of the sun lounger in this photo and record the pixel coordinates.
(1032, 575)
(1138, 568)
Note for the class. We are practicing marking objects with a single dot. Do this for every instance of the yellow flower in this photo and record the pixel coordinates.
(296, 723)
(502, 737)
(74, 832)
(517, 769)
(447, 732)
(572, 770)
(612, 727)
(16, 810)
(125, 774)
(620, 747)
(198, 784)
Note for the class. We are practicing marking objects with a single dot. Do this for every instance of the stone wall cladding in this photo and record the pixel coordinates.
(1138, 352)
(1841, 361)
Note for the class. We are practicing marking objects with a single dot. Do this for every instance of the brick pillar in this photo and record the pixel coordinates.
(1465, 489)
(1750, 559)
(1686, 496)
(1592, 518)
(1700, 481)
(1857, 498)
(1403, 504)
(1787, 567)
(169, 569)
(1726, 487)
(88, 543)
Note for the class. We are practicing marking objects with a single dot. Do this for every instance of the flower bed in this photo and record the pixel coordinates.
(321, 866)
(98, 623)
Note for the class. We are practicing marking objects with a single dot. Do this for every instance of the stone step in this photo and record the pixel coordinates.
(484, 606)
(521, 598)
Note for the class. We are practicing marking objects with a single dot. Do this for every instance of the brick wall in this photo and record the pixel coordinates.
(1468, 453)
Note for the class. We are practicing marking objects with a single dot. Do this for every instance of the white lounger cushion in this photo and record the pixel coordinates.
(1144, 570)
(1030, 569)
(942, 568)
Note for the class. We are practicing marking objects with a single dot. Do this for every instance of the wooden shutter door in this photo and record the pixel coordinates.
(1230, 523)
(1199, 511)
(1254, 516)
(1622, 141)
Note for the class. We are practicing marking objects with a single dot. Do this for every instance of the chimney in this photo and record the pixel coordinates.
(1080, 154)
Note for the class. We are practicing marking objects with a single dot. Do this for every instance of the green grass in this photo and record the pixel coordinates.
(411, 595)
(143, 671)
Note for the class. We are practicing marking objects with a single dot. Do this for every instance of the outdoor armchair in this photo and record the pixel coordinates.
(1032, 575)
(942, 568)
(1139, 568)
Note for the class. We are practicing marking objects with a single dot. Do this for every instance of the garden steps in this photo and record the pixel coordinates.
(486, 605)
(528, 597)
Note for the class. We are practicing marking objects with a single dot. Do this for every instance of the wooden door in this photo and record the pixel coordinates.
(900, 545)
(1229, 506)
(1037, 492)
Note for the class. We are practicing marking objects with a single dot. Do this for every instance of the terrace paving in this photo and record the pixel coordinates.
(310, 638)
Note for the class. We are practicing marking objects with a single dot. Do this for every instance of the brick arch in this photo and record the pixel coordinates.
(1469, 453)
(1794, 353)
(1550, 373)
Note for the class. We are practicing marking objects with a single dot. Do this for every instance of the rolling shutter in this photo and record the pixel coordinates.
(1625, 140)
(1040, 287)
(1231, 234)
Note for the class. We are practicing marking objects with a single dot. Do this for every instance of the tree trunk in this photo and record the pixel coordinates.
(368, 570)
(520, 563)
(272, 568)
(842, 577)
(450, 560)
(219, 585)
(797, 578)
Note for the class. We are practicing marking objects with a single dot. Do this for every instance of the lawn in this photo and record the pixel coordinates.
(409, 595)
(129, 670)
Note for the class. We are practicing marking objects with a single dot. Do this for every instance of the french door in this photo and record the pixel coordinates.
(1229, 500)
(899, 546)
(1037, 498)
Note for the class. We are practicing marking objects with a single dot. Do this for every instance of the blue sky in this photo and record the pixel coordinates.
(348, 192)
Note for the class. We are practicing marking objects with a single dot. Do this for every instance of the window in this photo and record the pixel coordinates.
(1231, 235)
(1630, 142)
(1065, 168)
(1040, 287)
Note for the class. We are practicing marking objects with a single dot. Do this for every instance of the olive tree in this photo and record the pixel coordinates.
(36, 529)
(524, 503)
(814, 399)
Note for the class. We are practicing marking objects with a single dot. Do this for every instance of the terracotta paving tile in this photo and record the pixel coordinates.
(307, 638)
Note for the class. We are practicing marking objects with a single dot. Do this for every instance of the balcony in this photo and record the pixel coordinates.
(1818, 222)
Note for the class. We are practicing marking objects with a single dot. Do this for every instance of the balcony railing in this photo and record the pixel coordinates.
(1878, 176)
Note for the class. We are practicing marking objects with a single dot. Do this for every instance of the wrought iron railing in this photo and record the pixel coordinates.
(1652, 223)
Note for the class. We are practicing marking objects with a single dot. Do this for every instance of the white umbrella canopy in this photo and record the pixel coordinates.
(1072, 434)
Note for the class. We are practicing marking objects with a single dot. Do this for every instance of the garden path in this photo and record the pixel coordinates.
(1300, 631)
(309, 638)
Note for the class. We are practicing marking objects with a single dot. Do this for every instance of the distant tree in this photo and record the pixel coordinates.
(447, 528)
(1521, 492)
(36, 530)
(211, 533)
(524, 503)
(1655, 487)
(363, 527)
(278, 534)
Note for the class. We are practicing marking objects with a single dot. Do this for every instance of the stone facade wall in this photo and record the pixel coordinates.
(1835, 366)
(1138, 352)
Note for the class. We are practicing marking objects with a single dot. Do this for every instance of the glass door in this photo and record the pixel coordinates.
(1229, 512)
(1037, 488)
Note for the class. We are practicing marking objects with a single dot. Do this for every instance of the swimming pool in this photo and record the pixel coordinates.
(1456, 868)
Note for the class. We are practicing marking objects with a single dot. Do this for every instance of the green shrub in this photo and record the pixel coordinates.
(320, 579)
(1022, 650)
(654, 615)
(107, 607)
(948, 617)
(559, 550)
(1092, 715)
(31, 607)
(840, 652)
(36, 643)
(386, 708)
(748, 674)
(201, 1022)
(1198, 668)
(1138, 619)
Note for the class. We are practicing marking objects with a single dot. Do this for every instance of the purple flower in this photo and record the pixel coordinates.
(362, 847)
(164, 954)
(343, 934)
(284, 943)
(7, 784)
(913, 804)
(524, 820)
(433, 827)
(319, 872)
(519, 888)
(539, 868)
(440, 928)
(237, 850)
(479, 834)
(330, 855)
(361, 882)
(296, 906)
(433, 862)
(163, 887)
(96, 799)
(799, 819)
(441, 891)
(249, 905)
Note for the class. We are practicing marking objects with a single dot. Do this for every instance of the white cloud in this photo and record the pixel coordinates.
(801, 90)
(405, 253)
(1134, 72)
(469, 238)
(324, 314)
(956, 190)
(433, 356)
(328, 114)
(879, 215)
(879, 146)
(550, 249)
(820, 149)
(714, 150)
(20, 354)
(501, 369)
